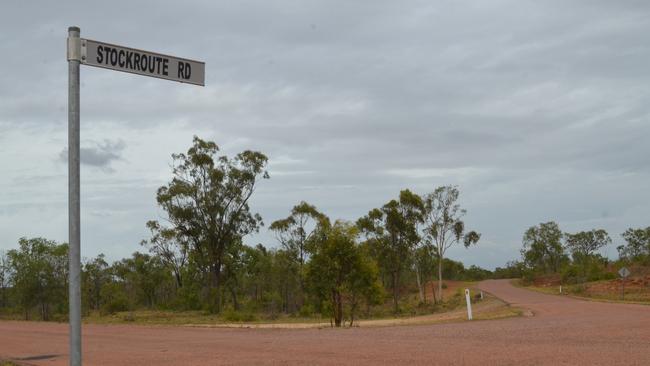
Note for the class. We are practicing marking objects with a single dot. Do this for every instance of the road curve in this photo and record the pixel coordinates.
(563, 331)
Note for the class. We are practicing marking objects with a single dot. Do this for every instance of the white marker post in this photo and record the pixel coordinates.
(105, 55)
(469, 304)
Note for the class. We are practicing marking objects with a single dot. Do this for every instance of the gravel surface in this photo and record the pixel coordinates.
(563, 331)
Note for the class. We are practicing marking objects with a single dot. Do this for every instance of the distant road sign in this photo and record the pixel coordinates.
(624, 272)
(114, 57)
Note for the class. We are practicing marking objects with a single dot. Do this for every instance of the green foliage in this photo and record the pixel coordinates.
(392, 233)
(637, 247)
(114, 298)
(230, 315)
(543, 250)
(513, 269)
(586, 268)
(39, 276)
(444, 226)
(207, 205)
(339, 275)
(94, 275)
(144, 278)
(297, 235)
(586, 242)
(5, 280)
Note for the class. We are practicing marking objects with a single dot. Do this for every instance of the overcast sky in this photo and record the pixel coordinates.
(537, 110)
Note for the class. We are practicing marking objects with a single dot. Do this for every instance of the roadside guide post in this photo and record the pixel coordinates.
(469, 304)
(105, 55)
(624, 273)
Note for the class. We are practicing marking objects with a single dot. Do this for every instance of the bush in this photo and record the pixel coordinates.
(238, 316)
(609, 276)
(307, 310)
(115, 305)
(570, 274)
(114, 299)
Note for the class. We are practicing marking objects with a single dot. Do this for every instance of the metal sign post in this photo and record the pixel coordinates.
(119, 58)
(74, 214)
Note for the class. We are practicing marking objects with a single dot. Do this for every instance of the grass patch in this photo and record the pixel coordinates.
(605, 290)
(410, 307)
(160, 317)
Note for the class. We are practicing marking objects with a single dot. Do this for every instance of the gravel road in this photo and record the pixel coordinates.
(563, 331)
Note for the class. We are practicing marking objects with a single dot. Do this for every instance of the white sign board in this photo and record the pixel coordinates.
(624, 272)
(119, 58)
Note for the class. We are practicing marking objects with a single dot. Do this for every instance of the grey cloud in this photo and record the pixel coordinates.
(537, 109)
(101, 155)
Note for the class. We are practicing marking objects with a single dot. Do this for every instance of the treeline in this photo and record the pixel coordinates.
(197, 259)
(574, 256)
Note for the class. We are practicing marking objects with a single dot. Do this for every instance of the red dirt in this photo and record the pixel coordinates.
(564, 331)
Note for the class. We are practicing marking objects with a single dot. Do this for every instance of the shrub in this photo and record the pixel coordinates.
(238, 316)
(307, 310)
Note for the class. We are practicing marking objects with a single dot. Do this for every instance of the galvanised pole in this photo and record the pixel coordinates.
(74, 234)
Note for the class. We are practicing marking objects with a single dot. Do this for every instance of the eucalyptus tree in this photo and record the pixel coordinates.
(172, 248)
(423, 265)
(94, 275)
(393, 232)
(296, 231)
(638, 243)
(444, 226)
(587, 242)
(5, 279)
(583, 244)
(39, 275)
(339, 274)
(207, 202)
(145, 279)
(543, 248)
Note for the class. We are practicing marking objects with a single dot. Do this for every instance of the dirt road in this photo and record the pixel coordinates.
(563, 331)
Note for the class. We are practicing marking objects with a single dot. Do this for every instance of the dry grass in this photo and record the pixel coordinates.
(487, 309)
(452, 310)
(608, 291)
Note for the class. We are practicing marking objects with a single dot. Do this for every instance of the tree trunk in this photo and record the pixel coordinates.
(433, 291)
(337, 308)
(440, 278)
(420, 287)
(353, 307)
(233, 293)
(179, 281)
(395, 278)
(214, 287)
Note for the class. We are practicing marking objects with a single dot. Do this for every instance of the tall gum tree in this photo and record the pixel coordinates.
(638, 244)
(393, 231)
(296, 231)
(583, 245)
(444, 226)
(207, 202)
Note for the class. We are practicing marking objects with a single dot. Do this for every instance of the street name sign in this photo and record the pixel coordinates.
(624, 272)
(83, 51)
(146, 63)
